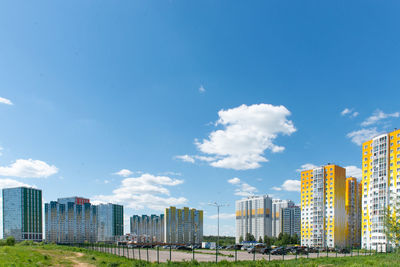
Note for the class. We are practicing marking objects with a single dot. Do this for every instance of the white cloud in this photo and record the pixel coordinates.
(5, 101)
(360, 136)
(145, 191)
(223, 216)
(377, 116)
(345, 111)
(353, 171)
(276, 188)
(350, 112)
(247, 132)
(234, 181)
(185, 158)
(202, 89)
(124, 173)
(289, 185)
(307, 166)
(28, 168)
(242, 189)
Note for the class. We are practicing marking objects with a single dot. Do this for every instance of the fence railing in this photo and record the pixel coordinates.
(164, 254)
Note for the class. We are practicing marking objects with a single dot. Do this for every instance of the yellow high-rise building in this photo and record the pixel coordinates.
(323, 212)
(353, 212)
(381, 186)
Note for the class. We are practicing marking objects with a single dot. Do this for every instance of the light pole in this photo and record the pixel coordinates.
(215, 204)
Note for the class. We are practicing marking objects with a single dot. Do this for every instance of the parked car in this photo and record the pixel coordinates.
(343, 250)
(265, 250)
(183, 248)
(279, 251)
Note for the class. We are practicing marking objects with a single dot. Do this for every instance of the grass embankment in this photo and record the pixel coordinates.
(53, 255)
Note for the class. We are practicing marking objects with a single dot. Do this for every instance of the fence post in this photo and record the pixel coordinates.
(193, 253)
(254, 254)
(140, 258)
(351, 251)
(336, 251)
(235, 255)
(216, 254)
(158, 254)
(170, 253)
(318, 252)
(308, 251)
(133, 249)
(283, 253)
(296, 254)
(269, 256)
(327, 251)
(147, 251)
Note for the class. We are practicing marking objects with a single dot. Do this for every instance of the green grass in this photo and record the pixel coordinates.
(51, 255)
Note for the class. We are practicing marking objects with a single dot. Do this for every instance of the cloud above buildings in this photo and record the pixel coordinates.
(245, 133)
(223, 216)
(28, 168)
(289, 185)
(242, 189)
(353, 171)
(307, 166)
(370, 126)
(5, 101)
(202, 89)
(145, 191)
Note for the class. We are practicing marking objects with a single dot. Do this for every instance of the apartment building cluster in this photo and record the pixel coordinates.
(339, 211)
(263, 216)
(67, 220)
(176, 226)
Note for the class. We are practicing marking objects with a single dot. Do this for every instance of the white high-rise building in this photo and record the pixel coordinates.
(253, 215)
(277, 206)
(380, 186)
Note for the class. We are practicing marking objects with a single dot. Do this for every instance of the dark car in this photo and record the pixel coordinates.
(343, 250)
(265, 251)
(279, 251)
(183, 248)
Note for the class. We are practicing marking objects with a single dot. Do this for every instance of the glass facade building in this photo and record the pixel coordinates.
(110, 222)
(22, 213)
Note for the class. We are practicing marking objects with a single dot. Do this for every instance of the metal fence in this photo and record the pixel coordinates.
(159, 254)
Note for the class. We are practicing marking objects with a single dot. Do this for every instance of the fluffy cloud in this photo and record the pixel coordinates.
(223, 216)
(242, 189)
(124, 173)
(146, 191)
(289, 185)
(349, 112)
(377, 116)
(29, 168)
(234, 181)
(353, 171)
(5, 101)
(360, 136)
(202, 89)
(247, 131)
(186, 158)
(307, 166)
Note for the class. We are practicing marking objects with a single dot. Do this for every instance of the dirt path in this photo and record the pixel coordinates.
(76, 262)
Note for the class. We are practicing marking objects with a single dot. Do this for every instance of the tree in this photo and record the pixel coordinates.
(260, 240)
(295, 239)
(250, 237)
(10, 241)
(241, 239)
(392, 224)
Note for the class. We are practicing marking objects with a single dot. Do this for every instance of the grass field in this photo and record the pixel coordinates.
(53, 255)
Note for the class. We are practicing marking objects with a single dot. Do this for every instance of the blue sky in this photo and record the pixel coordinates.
(199, 100)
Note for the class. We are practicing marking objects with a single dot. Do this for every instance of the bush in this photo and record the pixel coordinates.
(10, 241)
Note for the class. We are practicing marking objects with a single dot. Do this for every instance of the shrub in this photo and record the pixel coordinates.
(10, 241)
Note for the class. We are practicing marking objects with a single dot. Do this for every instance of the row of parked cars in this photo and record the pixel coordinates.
(299, 250)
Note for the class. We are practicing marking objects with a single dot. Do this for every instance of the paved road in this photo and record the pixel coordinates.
(205, 255)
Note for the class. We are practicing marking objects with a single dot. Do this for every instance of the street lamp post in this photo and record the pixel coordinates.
(215, 204)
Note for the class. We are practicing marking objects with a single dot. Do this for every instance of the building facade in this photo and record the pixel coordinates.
(277, 206)
(380, 186)
(353, 212)
(253, 216)
(22, 213)
(183, 226)
(69, 222)
(110, 222)
(323, 212)
(291, 220)
(147, 229)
